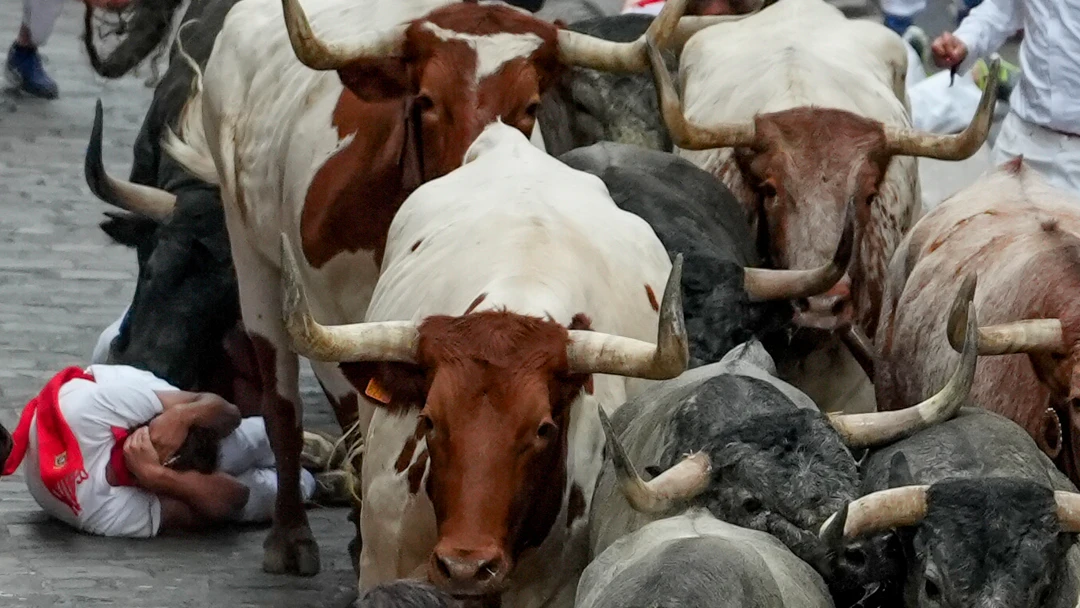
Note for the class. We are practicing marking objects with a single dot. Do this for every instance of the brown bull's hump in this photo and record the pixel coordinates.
(354, 195)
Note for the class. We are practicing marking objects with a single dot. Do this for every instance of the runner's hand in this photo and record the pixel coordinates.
(139, 453)
(949, 51)
(167, 433)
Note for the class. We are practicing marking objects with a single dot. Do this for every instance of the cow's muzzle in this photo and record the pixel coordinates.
(829, 311)
(469, 572)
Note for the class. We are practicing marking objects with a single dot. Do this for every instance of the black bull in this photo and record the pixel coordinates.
(183, 323)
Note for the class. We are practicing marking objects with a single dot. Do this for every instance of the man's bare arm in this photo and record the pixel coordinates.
(209, 498)
(205, 410)
(212, 498)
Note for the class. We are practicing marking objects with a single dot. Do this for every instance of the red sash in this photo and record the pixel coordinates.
(59, 458)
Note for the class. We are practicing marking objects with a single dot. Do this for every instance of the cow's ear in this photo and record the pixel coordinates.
(129, 229)
(375, 80)
(900, 471)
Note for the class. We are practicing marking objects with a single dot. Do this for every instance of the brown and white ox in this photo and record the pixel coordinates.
(799, 111)
(322, 138)
(515, 299)
(1021, 238)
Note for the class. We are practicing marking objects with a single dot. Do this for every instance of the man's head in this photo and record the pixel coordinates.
(198, 452)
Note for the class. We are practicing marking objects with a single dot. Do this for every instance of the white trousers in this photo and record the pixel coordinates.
(903, 8)
(101, 349)
(246, 455)
(1055, 155)
(939, 108)
(40, 16)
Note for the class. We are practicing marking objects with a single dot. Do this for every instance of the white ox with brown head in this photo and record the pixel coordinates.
(1021, 238)
(319, 130)
(515, 298)
(799, 110)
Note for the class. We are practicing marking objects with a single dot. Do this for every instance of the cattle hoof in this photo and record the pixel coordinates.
(291, 552)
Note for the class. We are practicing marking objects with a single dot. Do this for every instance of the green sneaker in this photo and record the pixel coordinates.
(321, 451)
(332, 489)
(1008, 76)
(917, 38)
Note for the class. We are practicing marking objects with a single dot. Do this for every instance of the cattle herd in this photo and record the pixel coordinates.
(633, 312)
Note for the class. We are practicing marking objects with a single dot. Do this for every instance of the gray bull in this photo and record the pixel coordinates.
(588, 106)
(694, 559)
(727, 300)
(764, 458)
(984, 518)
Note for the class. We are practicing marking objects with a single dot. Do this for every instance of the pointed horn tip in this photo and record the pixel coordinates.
(959, 313)
(845, 249)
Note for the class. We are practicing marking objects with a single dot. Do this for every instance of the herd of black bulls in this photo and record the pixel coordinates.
(732, 483)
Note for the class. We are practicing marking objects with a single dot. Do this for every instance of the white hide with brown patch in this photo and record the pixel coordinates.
(807, 53)
(538, 238)
(1022, 237)
(262, 128)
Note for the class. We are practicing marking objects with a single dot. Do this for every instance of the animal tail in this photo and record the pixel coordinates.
(191, 149)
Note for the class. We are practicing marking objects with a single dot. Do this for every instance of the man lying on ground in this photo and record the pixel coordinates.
(116, 451)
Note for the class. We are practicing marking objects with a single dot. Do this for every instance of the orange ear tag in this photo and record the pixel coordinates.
(377, 392)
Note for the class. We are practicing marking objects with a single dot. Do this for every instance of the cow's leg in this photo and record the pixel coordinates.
(352, 413)
(290, 547)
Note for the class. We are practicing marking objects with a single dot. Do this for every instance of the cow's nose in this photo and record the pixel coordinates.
(469, 570)
(829, 310)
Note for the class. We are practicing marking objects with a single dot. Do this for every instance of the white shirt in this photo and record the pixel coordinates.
(1049, 91)
(120, 396)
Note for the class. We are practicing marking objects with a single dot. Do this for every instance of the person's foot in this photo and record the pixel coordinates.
(917, 38)
(332, 489)
(25, 71)
(321, 451)
(1009, 75)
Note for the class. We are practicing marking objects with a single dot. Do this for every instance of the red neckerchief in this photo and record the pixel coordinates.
(121, 475)
(60, 460)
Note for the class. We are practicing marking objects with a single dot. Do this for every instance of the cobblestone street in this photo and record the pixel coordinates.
(62, 281)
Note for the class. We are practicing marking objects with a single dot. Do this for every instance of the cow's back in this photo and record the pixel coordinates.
(998, 227)
(975, 444)
(695, 559)
(551, 225)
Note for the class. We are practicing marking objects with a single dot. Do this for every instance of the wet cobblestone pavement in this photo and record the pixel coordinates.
(61, 282)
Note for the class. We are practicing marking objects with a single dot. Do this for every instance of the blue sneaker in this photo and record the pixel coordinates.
(25, 71)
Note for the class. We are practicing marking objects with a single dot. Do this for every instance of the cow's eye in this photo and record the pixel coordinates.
(424, 102)
(767, 189)
(427, 425)
(532, 109)
(932, 591)
(547, 430)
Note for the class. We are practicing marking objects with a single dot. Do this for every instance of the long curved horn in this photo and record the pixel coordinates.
(680, 483)
(866, 430)
(1028, 336)
(959, 146)
(880, 511)
(587, 51)
(319, 55)
(144, 200)
(382, 341)
(763, 284)
(593, 352)
(860, 348)
(683, 134)
(1068, 511)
